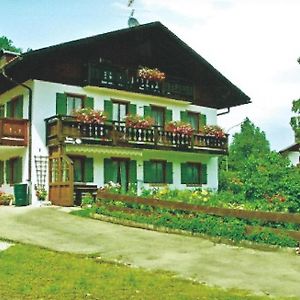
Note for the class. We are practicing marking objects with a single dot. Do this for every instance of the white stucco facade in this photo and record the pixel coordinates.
(44, 106)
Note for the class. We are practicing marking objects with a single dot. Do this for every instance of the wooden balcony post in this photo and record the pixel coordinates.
(156, 137)
(59, 129)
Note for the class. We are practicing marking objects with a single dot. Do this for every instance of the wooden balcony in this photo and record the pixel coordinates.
(13, 132)
(66, 130)
(105, 76)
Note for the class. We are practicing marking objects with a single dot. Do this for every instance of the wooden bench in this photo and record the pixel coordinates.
(81, 189)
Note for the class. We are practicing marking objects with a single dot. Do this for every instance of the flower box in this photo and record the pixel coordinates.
(91, 116)
(180, 128)
(151, 74)
(212, 130)
(136, 121)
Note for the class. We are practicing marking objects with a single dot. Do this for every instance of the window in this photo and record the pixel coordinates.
(14, 108)
(2, 111)
(73, 103)
(193, 173)
(193, 119)
(158, 171)
(117, 171)
(158, 114)
(120, 110)
(83, 168)
(14, 170)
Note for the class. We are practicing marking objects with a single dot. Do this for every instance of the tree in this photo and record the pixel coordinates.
(251, 141)
(295, 121)
(7, 44)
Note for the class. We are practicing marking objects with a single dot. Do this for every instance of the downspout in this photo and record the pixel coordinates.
(30, 124)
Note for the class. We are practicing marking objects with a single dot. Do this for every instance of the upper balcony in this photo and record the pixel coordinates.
(117, 78)
(66, 129)
(13, 132)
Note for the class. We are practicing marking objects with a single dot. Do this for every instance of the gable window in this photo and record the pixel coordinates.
(193, 119)
(120, 110)
(158, 114)
(74, 103)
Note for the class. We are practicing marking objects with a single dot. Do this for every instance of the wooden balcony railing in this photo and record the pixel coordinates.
(13, 132)
(65, 129)
(104, 76)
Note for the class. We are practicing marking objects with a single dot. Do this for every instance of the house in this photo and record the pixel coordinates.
(292, 153)
(41, 143)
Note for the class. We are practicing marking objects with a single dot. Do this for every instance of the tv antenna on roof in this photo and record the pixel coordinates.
(132, 22)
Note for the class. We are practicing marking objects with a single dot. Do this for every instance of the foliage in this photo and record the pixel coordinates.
(87, 200)
(68, 276)
(41, 194)
(212, 130)
(137, 121)
(89, 115)
(226, 227)
(8, 45)
(251, 141)
(5, 198)
(179, 127)
(151, 74)
(295, 121)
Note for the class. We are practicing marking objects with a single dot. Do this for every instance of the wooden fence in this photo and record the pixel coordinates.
(216, 211)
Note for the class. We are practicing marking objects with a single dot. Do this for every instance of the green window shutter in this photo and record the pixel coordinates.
(132, 172)
(204, 174)
(7, 171)
(169, 172)
(169, 114)
(149, 176)
(18, 170)
(108, 108)
(147, 111)
(19, 108)
(184, 116)
(89, 169)
(132, 109)
(202, 119)
(89, 102)
(9, 109)
(2, 111)
(184, 173)
(108, 170)
(1, 172)
(61, 104)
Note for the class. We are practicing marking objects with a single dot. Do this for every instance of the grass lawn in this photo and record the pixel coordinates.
(28, 272)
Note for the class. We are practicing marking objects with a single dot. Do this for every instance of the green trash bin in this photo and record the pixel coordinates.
(21, 194)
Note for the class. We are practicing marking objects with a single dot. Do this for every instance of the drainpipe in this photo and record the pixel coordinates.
(30, 123)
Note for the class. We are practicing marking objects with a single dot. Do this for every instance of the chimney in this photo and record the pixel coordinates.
(6, 56)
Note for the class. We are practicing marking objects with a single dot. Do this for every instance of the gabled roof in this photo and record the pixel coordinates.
(152, 45)
(292, 148)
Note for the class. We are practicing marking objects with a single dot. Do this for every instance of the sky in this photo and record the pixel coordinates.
(254, 43)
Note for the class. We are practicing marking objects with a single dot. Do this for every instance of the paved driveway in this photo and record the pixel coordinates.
(277, 273)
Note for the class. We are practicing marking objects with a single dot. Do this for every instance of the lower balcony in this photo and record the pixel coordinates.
(13, 132)
(67, 130)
